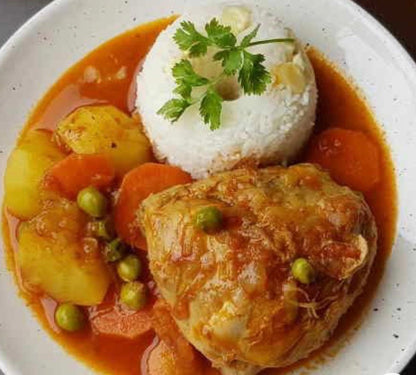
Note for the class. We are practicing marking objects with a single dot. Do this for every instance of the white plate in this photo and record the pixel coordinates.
(66, 30)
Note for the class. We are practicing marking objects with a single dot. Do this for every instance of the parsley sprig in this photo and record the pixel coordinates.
(235, 59)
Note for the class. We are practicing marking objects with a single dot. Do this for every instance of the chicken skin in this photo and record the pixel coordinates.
(233, 292)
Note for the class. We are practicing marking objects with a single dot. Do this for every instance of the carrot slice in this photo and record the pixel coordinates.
(350, 156)
(77, 172)
(137, 185)
(112, 319)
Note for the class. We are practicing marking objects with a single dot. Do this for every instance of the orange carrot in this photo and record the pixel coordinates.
(77, 172)
(350, 157)
(137, 185)
(112, 319)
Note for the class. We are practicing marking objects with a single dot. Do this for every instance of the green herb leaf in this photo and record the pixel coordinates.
(198, 49)
(174, 109)
(211, 108)
(183, 90)
(249, 37)
(235, 60)
(253, 76)
(183, 72)
(188, 38)
(231, 60)
(220, 35)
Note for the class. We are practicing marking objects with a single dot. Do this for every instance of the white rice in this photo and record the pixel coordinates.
(270, 128)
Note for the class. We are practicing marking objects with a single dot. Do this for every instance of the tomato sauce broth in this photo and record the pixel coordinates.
(113, 67)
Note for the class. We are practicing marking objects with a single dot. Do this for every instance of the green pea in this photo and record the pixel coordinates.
(103, 229)
(303, 271)
(133, 295)
(70, 317)
(209, 219)
(91, 201)
(129, 268)
(114, 250)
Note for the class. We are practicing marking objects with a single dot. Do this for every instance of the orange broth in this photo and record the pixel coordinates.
(340, 105)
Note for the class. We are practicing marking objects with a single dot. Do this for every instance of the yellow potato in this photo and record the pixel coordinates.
(105, 129)
(161, 360)
(55, 259)
(291, 76)
(26, 166)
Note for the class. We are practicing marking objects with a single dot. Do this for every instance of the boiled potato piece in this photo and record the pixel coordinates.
(291, 76)
(164, 360)
(54, 257)
(26, 166)
(161, 360)
(105, 129)
(237, 17)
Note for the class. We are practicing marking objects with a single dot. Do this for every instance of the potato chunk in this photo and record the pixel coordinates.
(105, 129)
(161, 360)
(25, 169)
(55, 258)
(291, 76)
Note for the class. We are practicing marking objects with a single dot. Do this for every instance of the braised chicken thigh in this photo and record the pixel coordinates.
(268, 283)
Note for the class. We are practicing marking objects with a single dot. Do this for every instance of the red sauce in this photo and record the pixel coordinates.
(340, 105)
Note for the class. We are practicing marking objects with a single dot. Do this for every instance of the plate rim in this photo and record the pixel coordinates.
(393, 45)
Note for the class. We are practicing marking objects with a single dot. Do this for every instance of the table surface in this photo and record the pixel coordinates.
(398, 16)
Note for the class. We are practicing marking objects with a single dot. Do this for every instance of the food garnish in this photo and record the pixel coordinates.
(70, 317)
(209, 219)
(133, 295)
(137, 185)
(92, 202)
(114, 250)
(129, 268)
(235, 59)
(350, 156)
(303, 271)
(79, 171)
(102, 229)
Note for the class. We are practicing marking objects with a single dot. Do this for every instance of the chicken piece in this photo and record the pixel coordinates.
(232, 292)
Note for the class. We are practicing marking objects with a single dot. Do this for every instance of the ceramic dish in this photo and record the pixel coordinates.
(61, 34)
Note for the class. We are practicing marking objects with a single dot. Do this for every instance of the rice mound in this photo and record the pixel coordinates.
(265, 129)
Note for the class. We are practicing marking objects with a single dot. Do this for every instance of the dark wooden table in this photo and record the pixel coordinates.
(399, 16)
